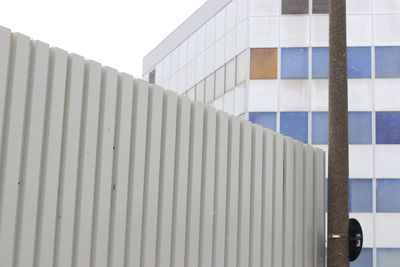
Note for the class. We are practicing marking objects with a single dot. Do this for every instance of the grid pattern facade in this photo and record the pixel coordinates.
(286, 89)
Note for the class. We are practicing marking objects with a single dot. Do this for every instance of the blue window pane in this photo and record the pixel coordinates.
(320, 63)
(360, 195)
(364, 260)
(320, 127)
(388, 257)
(359, 62)
(388, 127)
(295, 125)
(388, 195)
(265, 119)
(387, 61)
(360, 128)
(294, 63)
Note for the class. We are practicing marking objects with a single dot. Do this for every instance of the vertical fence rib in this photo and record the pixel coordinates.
(136, 179)
(181, 183)
(24, 249)
(220, 203)
(165, 201)
(87, 167)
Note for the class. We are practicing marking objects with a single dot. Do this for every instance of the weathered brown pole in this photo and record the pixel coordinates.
(338, 158)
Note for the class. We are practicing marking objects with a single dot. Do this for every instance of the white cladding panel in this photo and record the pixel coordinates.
(100, 169)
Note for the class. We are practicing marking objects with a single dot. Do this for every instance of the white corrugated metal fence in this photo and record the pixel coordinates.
(100, 169)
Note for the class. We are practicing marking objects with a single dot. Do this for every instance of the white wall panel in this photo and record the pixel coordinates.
(260, 8)
(200, 40)
(294, 95)
(387, 6)
(100, 169)
(320, 30)
(230, 15)
(387, 158)
(219, 58)
(359, 30)
(386, 29)
(263, 95)
(360, 161)
(264, 32)
(220, 23)
(230, 45)
(210, 32)
(294, 31)
(387, 95)
(241, 36)
(385, 236)
(319, 94)
(360, 94)
(354, 7)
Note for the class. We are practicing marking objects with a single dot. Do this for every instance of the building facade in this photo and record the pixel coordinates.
(267, 61)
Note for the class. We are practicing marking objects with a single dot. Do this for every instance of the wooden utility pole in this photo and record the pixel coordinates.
(338, 164)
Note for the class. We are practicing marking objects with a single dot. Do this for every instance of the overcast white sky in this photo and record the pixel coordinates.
(116, 33)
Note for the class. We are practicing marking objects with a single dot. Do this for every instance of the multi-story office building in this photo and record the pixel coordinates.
(267, 61)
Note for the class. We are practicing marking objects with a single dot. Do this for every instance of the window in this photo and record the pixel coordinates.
(294, 6)
(241, 68)
(320, 127)
(320, 6)
(219, 82)
(265, 119)
(320, 63)
(387, 61)
(152, 76)
(388, 127)
(360, 195)
(388, 257)
(360, 128)
(364, 260)
(295, 125)
(200, 92)
(191, 93)
(387, 195)
(230, 71)
(359, 62)
(294, 63)
(263, 63)
(209, 89)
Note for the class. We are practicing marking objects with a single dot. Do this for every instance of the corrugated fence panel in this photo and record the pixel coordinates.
(87, 166)
(100, 169)
(181, 183)
(232, 217)
(28, 196)
(121, 174)
(165, 208)
(12, 143)
(221, 186)
(70, 161)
